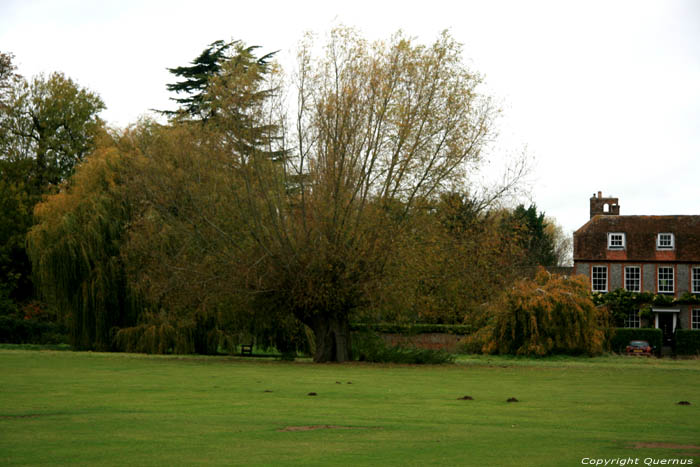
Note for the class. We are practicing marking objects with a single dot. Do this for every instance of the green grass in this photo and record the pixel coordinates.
(70, 408)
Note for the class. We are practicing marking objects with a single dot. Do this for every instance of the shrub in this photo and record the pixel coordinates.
(14, 330)
(548, 315)
(621, 337)
(369, 347)
(688, 342)
(157, 333)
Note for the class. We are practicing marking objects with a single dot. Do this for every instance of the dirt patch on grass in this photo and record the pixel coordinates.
(325, 427)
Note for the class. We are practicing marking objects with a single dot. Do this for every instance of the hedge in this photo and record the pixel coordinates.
(413, 329)
(622, 336)
(688, 342)
(20, 331)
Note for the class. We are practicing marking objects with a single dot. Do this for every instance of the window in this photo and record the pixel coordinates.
(665, 280)
(695, 280)
(632, 320)
(599, 278)
(616, 241)
(695, 319)
(633, 281)
(664, 241)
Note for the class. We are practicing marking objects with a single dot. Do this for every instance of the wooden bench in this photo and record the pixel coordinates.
(247, 349)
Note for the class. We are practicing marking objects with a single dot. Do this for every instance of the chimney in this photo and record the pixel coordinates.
(604, 206)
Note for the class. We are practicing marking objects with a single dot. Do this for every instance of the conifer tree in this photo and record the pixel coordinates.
(196, 78)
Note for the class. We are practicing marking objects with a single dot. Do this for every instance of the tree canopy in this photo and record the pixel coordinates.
(48, 124)
(51, 122)
(198, 77)
(305, 216)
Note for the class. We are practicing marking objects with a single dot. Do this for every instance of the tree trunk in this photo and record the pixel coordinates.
(332, 335)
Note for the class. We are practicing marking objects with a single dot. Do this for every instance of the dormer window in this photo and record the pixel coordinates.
(665, 241)
(616, 241)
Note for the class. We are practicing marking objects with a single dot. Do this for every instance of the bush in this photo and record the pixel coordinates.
(15, 330)
(621, 337)
(369, 347)
(548, 315)
(688, 342)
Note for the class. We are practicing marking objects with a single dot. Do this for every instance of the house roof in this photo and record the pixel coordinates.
(591, 240)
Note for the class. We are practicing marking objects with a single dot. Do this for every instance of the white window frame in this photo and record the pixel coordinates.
(695, 318)
(666, 246)
(638, 278)
(672, 278)
(633, 320)
(695, 279)
(618, 238)
(604, 278)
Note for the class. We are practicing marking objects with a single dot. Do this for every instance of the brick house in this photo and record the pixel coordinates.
(659, 254)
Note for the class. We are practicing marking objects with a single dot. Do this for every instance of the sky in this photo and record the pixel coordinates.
(601, 95)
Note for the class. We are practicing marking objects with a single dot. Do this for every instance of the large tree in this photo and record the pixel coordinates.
(380, 130)
(51, 122)
(47, 125)
(458, 258)
(75, 249)
(531, 230)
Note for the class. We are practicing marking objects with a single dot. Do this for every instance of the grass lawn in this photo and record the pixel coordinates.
(124, 409)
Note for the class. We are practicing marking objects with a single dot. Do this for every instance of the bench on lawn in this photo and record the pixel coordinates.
(247, 349)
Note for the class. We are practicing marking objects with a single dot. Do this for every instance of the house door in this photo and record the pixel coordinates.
(666, 325)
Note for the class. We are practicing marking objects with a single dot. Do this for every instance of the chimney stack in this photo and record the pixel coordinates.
(604, 206)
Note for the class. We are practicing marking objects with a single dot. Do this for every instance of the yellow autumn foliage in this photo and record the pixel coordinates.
(550, 314)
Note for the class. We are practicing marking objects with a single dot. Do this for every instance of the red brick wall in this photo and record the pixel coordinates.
(434, 341)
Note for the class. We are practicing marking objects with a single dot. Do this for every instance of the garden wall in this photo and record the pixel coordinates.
(445, 337)
(433, 341)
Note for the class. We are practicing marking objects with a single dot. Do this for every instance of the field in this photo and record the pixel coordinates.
(69, 408)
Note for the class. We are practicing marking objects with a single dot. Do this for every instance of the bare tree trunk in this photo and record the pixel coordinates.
(333, 343)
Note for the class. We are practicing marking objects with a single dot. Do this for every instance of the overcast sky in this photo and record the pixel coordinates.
(605, 95)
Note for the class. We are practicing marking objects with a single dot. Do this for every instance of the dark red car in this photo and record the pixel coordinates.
(639, 348)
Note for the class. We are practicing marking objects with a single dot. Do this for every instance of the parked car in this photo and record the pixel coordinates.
(639, 348)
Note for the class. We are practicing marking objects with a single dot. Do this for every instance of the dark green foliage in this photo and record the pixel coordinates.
(621, 337)
(47, 126)
(197, 77)
(20, 331)
(51, 122)
(620, 302)
(413, 329)
(686, 299)
(528, 228)
(369, 347)
(16, 204)
(688, 342)
(17, 330)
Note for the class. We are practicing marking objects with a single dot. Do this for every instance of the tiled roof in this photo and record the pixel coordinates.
(591, 240)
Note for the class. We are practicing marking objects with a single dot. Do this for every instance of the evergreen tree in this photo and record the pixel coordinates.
(529, 228)
(197, 77)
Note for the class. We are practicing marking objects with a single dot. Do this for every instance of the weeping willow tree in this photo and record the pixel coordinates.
(75, 251)
(550, 314)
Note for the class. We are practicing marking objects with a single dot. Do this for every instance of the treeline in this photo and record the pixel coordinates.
(238, 220)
